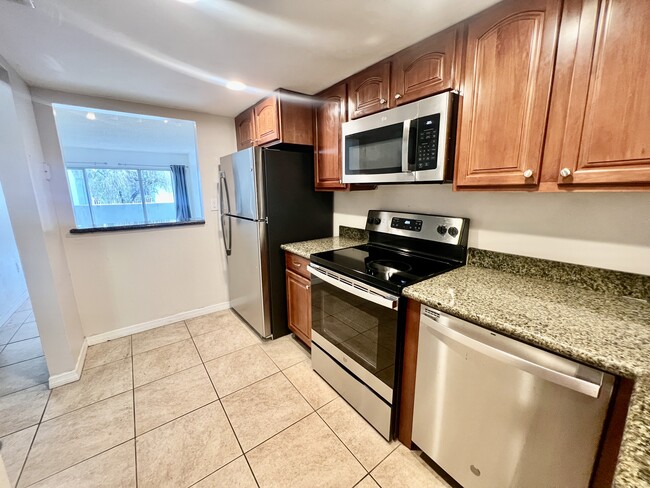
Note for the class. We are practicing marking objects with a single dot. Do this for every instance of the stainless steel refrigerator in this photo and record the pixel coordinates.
(267, 199)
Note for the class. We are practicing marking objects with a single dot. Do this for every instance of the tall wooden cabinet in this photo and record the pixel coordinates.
(329, 113)
(602, 129)
(507, 86)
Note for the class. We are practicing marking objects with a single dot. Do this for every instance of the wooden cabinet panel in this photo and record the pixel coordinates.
(267, 123)
(508, 74)
(428, 67)
(607, 129)
(245, 129)
(299, 306)
(369, 90)
(297, 264)
(330, 113)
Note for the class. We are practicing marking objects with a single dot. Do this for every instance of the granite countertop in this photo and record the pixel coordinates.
(348, 237)
(586, 321)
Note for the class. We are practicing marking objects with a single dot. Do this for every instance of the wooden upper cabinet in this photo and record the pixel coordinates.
(369, 90)
(330, 113)
(428, 67)
(507, 82)
(267, 121)
(606, 132)
(245, 129)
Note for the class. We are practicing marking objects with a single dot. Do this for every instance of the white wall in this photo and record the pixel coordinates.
(13, 288)
(126, 278)
(30, 204)
(606, 230)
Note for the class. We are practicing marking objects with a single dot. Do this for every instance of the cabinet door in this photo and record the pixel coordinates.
(508, 73)
(245, 129)
(267, 125)
(369, 90)
(299, 306)
(330, 113)
(426, 68)
(607, 131)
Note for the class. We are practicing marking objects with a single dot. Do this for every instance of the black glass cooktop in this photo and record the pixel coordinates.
(388, 269)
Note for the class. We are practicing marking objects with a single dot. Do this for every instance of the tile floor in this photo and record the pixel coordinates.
(202, 403)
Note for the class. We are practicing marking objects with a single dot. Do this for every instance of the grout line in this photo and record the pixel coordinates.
(38, 426)
(135, 446)
(20, 360)
(27, 388)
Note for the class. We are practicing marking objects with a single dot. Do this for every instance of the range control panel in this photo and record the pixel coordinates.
(406, 224)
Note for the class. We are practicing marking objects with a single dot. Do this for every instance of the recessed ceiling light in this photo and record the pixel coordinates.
(165, 121)
(90, 116)
(235, 85)
(188, 1)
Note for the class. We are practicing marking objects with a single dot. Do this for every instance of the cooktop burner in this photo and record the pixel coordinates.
(383, 268)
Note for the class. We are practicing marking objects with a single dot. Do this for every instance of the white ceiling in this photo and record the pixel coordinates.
(176, 54)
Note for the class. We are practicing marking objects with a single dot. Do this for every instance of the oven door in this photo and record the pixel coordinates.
(357, 326)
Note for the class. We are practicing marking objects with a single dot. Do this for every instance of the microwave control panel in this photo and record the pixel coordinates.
(426, 149)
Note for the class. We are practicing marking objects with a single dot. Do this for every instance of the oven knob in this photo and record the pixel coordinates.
(377, 221)
(453, 231)
(370, 220)
(442, 230)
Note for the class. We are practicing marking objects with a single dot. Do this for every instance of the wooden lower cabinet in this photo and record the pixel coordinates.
(298, 297)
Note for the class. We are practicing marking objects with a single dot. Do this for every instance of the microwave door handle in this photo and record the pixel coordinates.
(406, 150)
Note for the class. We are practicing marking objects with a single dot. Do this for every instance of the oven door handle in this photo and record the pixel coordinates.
(355, 288)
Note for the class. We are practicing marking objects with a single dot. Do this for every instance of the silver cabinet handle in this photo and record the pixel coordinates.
(297, 265)
(564, 172)
(397, 96)
(382, 100)
(528, 173)
(450, 328)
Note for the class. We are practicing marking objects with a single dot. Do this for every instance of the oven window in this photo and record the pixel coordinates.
(364, 331)
(374, 151)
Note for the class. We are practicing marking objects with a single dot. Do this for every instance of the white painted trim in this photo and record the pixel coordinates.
(75, 374)
(14, 308)
(152, 324)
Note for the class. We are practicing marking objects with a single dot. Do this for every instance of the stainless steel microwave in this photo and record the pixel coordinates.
(411, 143)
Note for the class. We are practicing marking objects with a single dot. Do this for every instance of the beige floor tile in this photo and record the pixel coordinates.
(315, 390)
(187, 449)
(308, 455)
(241, 368)
(18, 317)
(114, 468)
(237, 474)
(23, 375)
(161, 401)
(263, 409)
(21, 351)
(228, 339)
(211, 322)
(22, 409)
(67, 440)
(285, 351)
(158, 337)
(14, 451)
(359, 436)
(95, 384)
(28, 330)
(7, 332)
(27, 305)
(367, 482)
(108, 352)
(404, 469)
(163, 361)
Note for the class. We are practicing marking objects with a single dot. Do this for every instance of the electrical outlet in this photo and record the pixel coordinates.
(214, 204)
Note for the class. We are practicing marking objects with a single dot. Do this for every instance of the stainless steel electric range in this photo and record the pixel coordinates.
(358, 312)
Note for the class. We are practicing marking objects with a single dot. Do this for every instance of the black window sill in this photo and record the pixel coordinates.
(93, 230)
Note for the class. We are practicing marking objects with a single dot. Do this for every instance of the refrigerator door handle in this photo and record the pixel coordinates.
(223, 189)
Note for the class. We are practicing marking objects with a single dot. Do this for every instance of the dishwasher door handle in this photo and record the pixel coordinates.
(442, 332)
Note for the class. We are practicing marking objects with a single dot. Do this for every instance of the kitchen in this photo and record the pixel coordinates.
(537, 231)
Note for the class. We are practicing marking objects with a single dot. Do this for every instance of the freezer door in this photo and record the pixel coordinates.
(240, 184)
(248, 281)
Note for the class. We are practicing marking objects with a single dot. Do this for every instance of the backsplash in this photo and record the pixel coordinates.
(600, 280)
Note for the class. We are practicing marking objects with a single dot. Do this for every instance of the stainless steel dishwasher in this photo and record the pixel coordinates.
(495, 412)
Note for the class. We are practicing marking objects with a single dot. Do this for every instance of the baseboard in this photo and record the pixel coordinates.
(152, 324)
(74, 375)
(5, 316)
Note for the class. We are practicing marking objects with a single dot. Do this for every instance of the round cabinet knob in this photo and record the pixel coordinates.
(397, 96)
(528, 173)
(564, 172)
(382, 100)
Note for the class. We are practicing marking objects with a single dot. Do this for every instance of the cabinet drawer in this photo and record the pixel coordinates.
(297, 264)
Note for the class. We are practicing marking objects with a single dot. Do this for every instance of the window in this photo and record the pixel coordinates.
(127, 169)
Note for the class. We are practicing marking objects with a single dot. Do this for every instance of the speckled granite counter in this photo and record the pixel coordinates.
(348, 237)
(588, 321)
